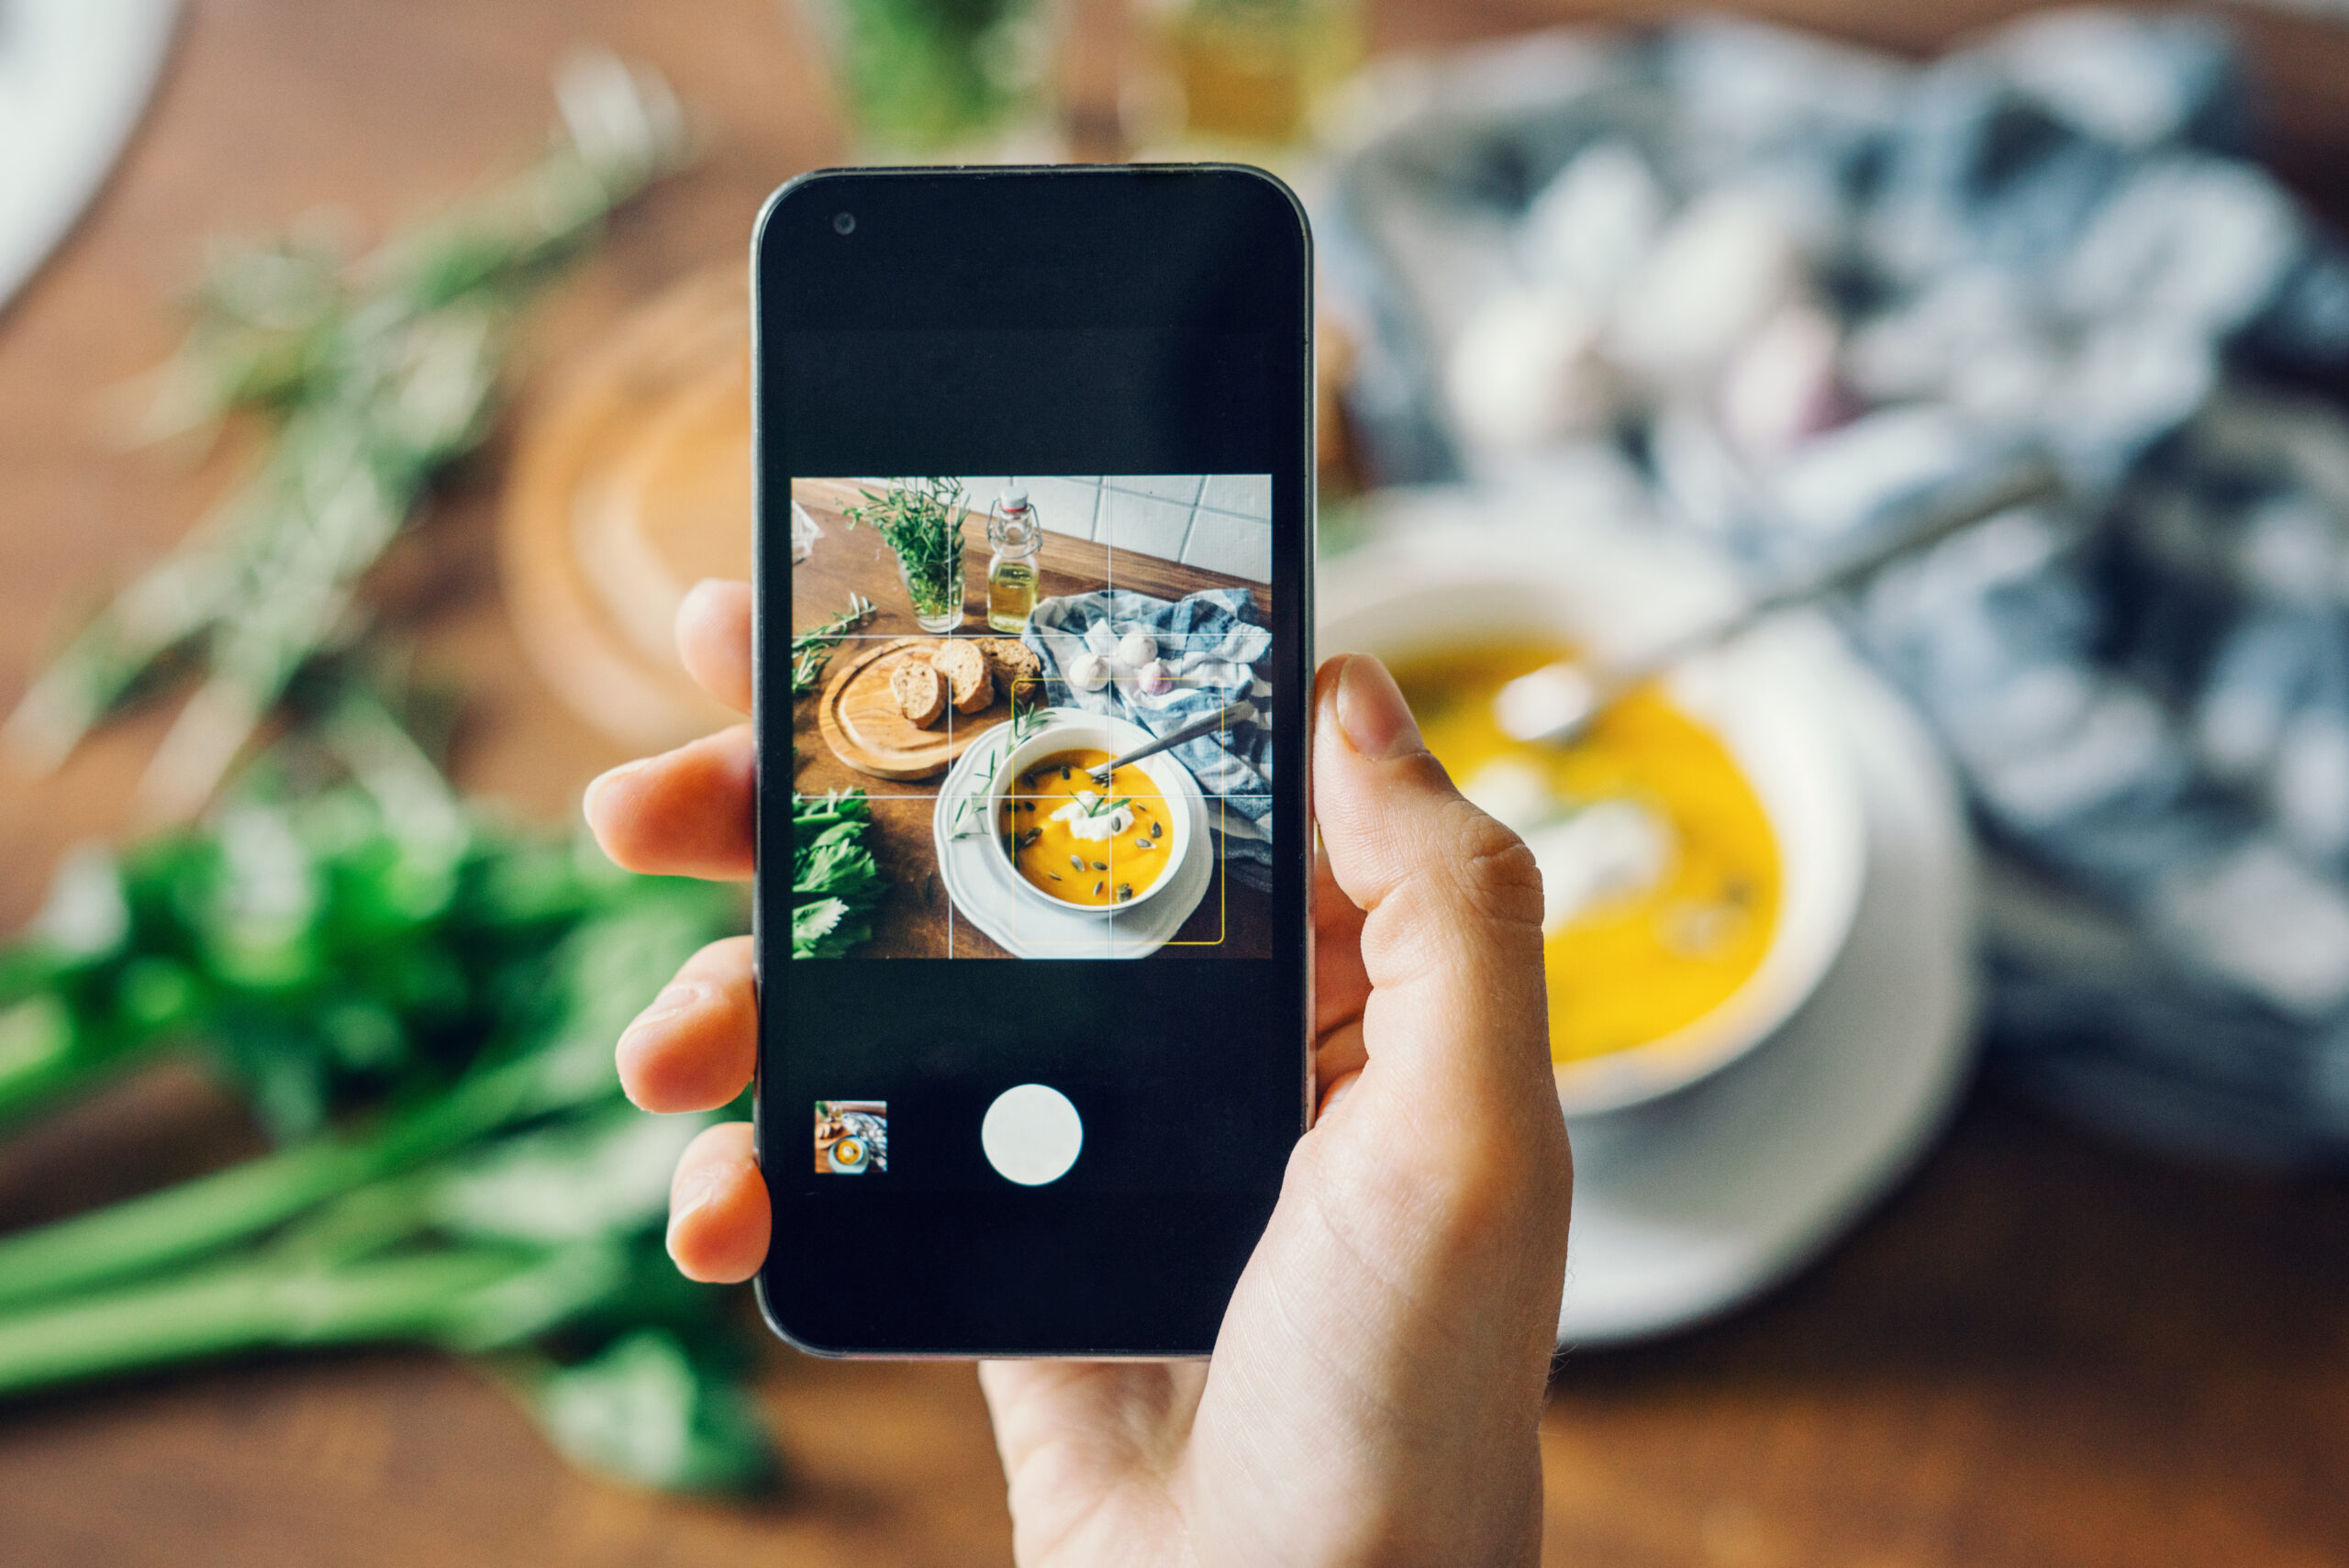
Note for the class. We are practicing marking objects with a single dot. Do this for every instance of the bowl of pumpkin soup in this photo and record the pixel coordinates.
(1076, 842)
(1701, 845)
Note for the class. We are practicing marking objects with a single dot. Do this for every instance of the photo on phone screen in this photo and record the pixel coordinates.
(1086, 618)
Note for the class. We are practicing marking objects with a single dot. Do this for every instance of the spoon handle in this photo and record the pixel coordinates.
(1231, 714)
(2024, 484)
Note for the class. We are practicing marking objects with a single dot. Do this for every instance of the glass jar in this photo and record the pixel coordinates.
(1014, 535)
(935, 594)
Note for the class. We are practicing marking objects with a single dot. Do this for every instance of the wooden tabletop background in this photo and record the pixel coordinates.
(2041, 1351)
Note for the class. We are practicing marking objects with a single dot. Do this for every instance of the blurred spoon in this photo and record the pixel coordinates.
(1558, 703)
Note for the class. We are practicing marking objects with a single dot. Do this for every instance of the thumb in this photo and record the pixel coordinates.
(1452, 934)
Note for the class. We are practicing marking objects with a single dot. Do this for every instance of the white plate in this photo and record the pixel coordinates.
(75, 76)
(987, 892)
(1686, 1206)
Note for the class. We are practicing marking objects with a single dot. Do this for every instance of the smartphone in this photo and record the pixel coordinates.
(1035, 493)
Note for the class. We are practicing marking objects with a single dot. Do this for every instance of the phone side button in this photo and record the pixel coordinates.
(1031, 1134)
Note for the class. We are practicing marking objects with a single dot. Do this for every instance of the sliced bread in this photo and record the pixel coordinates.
(1013, 662)
(920, 691)
(969, 679)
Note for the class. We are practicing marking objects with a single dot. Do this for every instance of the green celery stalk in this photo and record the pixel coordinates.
(209, 1212)
(470, 1298)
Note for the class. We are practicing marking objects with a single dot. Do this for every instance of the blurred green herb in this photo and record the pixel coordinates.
(811, 651)
(924, 74)
(835, 883)
(420, 1000)
(922, 521)
(370, 377)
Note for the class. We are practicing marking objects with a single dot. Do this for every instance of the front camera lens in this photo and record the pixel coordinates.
(844, 223)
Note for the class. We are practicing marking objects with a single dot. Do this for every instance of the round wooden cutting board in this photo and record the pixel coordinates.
(631, 483)
(861, 721)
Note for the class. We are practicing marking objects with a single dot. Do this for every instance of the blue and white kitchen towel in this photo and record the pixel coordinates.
(1209, 644)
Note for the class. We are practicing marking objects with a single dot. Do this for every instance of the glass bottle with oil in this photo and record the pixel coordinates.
(1253, 71)
(1015, 535)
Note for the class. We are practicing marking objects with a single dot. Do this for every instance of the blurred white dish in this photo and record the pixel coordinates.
(1690, 1204)
(74, 77)
(1615, 592)
(1688, 1207)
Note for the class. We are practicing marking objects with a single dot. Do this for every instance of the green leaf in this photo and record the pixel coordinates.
(642, 1411)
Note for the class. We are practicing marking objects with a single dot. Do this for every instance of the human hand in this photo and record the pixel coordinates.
(1374, 1391)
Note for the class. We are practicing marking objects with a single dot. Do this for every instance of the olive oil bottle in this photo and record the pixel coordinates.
(1015, 535)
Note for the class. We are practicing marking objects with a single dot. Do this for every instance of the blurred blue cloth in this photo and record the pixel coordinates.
(1209, 642)
(2053, 238)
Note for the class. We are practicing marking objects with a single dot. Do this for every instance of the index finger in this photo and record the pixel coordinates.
(714, 622)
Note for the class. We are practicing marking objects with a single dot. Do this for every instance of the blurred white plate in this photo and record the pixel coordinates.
(75, 76)
(986, 891)
(1688, 1205)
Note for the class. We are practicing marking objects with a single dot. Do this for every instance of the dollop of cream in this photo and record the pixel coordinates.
(1615, 849)
(1600, 853)
(1091, 826)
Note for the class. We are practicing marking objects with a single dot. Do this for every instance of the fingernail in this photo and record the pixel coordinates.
(676, 998)
(690, 1198)
(1372, 711)
(1340, 1090)
(609, 777)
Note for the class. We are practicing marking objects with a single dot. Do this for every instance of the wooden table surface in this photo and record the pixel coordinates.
(2043, 1350)
(916, 918)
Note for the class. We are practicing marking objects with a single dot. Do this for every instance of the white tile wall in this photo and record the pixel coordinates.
(1222, 522)
(1238, 546)
(1142, 525)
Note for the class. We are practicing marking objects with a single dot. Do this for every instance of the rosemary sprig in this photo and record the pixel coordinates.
(811, 651)
(922, 521)
(1103, 804)
(374, 376)
(1023, 724)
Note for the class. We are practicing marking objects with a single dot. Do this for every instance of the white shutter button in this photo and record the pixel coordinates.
(1031, 1134)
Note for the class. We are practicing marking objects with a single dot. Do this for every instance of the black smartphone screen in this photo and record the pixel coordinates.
(1034, 1038)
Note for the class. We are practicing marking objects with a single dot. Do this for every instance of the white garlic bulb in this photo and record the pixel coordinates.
(1089, 672)
(1138, 649)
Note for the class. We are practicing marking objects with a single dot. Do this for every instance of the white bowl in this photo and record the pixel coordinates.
(1613, 593)
(1071, 734)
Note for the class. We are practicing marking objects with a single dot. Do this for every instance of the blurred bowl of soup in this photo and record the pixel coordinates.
(1701, 845)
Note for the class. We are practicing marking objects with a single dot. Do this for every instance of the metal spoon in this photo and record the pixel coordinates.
(1557, 702)
(1222, 718)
